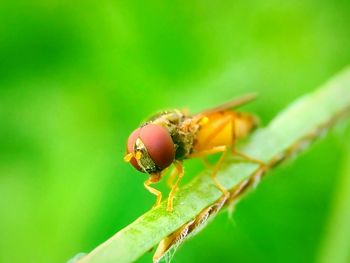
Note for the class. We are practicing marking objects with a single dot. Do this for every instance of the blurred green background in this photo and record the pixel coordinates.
(76, 77)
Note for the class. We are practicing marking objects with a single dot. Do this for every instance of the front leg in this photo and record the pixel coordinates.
(154, 178)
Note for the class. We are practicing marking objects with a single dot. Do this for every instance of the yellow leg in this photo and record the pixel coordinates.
(216, 169)
(229, 120)
(248, 158)
(217, 149)
(240, 154)
(153, 179)
(179, 171)
(170, 180)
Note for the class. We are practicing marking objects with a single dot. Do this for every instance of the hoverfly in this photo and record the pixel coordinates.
(173, 136)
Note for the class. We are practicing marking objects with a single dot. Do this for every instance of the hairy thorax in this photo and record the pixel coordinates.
(182, 129)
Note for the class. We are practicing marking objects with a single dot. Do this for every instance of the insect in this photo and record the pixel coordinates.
(170, 137)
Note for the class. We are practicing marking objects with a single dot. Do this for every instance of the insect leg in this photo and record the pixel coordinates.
(179, 170)
(170, 180)
(247, 158)
(218, 149)
(152, 190)
(216, 169)
(241, 154)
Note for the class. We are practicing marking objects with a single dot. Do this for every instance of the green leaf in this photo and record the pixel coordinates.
(291, 131)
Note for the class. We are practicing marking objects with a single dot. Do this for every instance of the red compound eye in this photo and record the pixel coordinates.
(158, 142)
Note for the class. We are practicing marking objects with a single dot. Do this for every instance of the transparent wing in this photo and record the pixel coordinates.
(234, 103)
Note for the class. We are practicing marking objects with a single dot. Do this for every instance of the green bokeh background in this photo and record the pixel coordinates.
(76, 77)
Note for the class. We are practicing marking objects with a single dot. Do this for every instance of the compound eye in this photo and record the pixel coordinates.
(159, 144)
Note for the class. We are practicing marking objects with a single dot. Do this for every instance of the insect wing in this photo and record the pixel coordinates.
(234, 103)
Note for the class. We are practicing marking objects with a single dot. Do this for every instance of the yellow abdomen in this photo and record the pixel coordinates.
(223, 128)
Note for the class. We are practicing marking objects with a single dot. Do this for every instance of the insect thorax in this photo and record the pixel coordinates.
(182, 129)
